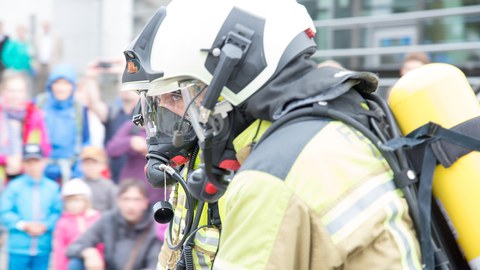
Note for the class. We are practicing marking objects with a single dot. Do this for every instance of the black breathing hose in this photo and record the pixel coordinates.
(188, 246)
(190, 206)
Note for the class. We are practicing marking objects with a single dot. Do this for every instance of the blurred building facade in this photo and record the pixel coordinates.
(376, 34)
(101, 29)
(90, 29)
(370, 35)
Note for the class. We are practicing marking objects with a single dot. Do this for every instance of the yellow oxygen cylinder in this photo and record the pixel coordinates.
(440, 93)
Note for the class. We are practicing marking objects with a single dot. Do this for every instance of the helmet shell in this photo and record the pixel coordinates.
(183, 43)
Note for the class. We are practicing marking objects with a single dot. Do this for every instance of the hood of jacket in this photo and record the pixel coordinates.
(302, 83)
(67, 73)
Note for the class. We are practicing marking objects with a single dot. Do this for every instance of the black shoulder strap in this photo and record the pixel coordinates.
(432, 144)
(214, 215)
(452, 143)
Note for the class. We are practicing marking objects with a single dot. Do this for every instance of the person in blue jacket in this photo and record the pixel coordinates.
(67, 123)
(29, 209)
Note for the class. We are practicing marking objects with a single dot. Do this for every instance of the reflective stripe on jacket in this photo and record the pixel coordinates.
(206, 239)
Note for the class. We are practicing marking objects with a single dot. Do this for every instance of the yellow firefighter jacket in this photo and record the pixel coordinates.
(206, 240)
(316, 194)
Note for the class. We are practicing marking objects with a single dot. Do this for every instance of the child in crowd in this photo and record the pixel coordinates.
(104, 192)
(66, 121)
(77, 217)
(30, 207)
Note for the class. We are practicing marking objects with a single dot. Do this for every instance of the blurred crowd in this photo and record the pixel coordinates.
(73, 192)
(72, 176)
(73, 189)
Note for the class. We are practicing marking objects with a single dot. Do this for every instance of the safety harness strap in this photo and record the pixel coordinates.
(439, 145)
(447, 152)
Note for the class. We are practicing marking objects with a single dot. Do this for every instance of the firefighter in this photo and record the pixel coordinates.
(161, 116)
(187, 243)
(311, 192)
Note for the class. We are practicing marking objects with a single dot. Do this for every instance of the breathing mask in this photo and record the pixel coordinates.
(161, 117)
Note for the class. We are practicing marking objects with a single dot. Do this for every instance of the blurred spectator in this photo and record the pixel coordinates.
(67, 123)
(3, 40)
(104, 191)
(413, 61)
(130, 141)
(49, 51)
(86, 92)
(30, 207)
(17, 52)
(20, 123)
(114, 116)
(76, 218)
(127, 233)
(117, 116)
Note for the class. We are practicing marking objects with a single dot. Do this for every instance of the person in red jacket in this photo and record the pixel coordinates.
(21, 123)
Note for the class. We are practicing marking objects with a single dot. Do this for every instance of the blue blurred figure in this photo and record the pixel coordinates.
(67, 123)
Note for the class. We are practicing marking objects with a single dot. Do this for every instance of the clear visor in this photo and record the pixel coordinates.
(162, 115)
(193, 92)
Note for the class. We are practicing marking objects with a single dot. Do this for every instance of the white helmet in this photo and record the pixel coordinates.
(186, 40)
(212, 48)
(76, 186)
